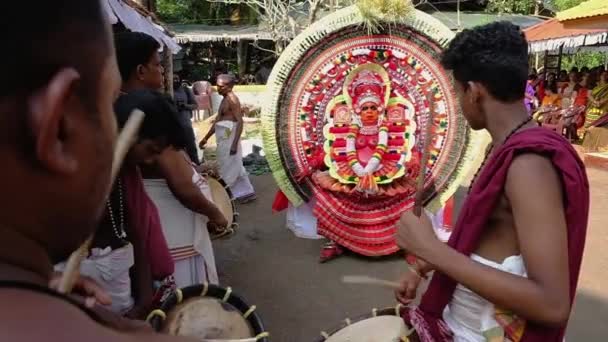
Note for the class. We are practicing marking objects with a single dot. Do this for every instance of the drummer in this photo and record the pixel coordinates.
(58, 132)
(170, 180)
(511, 266)
(119, 259)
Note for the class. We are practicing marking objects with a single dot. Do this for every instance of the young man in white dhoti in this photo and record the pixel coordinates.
(228, 128)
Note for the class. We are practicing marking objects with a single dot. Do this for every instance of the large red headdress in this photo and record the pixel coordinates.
(369, 83)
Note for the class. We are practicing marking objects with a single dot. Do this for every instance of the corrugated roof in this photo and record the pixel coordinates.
(586, 9)
(552, 34)
(205, 33)
(472, 19)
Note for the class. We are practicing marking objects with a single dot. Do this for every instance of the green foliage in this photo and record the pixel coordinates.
(203, 12)
(527, 6)
(583, 59)
(561, 5)
(511, 6)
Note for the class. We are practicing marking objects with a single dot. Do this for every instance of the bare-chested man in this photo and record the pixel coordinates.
(228, 128)
(511, 266)
(58, 130)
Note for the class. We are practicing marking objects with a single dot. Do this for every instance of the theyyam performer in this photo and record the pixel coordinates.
(347, 117)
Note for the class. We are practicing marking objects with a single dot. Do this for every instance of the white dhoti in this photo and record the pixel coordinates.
(110, 269)
(469, 315)
(186, 234)
(231, 167)
(302, 222)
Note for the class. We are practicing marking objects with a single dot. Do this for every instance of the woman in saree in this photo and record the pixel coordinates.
(596, 134)
(574, 115)
(598, 100)
(550, 104)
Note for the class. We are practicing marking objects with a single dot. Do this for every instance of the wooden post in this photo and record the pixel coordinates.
(559, 58)
(167, 62)
(241, 56)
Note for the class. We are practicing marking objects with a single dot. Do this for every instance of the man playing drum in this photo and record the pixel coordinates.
(169, 178)
(58, 133)
(511, 266)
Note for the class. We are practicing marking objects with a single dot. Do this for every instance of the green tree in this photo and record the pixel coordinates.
(561, 5)
(511, 6)
(584, 59)
(204, 12)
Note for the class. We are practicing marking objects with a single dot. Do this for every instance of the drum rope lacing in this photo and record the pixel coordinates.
(180, 297)
(397, 312)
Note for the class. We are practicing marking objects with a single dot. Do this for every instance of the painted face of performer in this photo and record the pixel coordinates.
(369, 114)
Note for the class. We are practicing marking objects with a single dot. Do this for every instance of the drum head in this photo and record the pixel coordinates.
(207, 318)
(381, 328)
(222, 199)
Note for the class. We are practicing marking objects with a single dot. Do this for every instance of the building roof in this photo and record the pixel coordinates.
(136, 18)
(472, 19)
(586, 9)
(185, 33)
(553, 34)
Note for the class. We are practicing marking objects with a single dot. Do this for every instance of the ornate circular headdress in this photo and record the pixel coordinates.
(349, 58)
(368, 83)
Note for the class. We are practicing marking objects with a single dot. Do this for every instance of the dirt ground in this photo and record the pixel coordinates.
(297, 297)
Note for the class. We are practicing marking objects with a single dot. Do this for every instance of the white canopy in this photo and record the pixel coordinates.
(118, 10)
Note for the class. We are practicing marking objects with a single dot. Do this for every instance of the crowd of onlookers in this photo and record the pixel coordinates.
(570, 102)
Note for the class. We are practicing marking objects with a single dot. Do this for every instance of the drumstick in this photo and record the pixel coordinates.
(367, 280)
(123, 144)
(418, 204)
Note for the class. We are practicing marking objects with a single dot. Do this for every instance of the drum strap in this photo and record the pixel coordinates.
(9, 284)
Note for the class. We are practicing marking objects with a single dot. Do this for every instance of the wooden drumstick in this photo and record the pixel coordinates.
(123, 144)
(418, 201)
(367, 280)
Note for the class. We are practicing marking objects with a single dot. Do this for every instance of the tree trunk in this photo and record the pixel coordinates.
(314, 9)
(150, 5)
(241, 57)
(167, 61)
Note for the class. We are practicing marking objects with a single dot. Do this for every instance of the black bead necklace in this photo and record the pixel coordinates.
(485, 159)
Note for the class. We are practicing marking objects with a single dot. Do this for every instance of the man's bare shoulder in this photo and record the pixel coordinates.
(233, 98)
(531, 171)
(531, 166)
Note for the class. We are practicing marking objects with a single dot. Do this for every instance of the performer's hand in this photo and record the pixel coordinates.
(233, 150)
(408, 286)
(218, 220)
(202, 144)
(85, 287)
(416, 235)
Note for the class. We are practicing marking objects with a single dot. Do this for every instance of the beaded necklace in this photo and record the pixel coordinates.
(119, 231)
